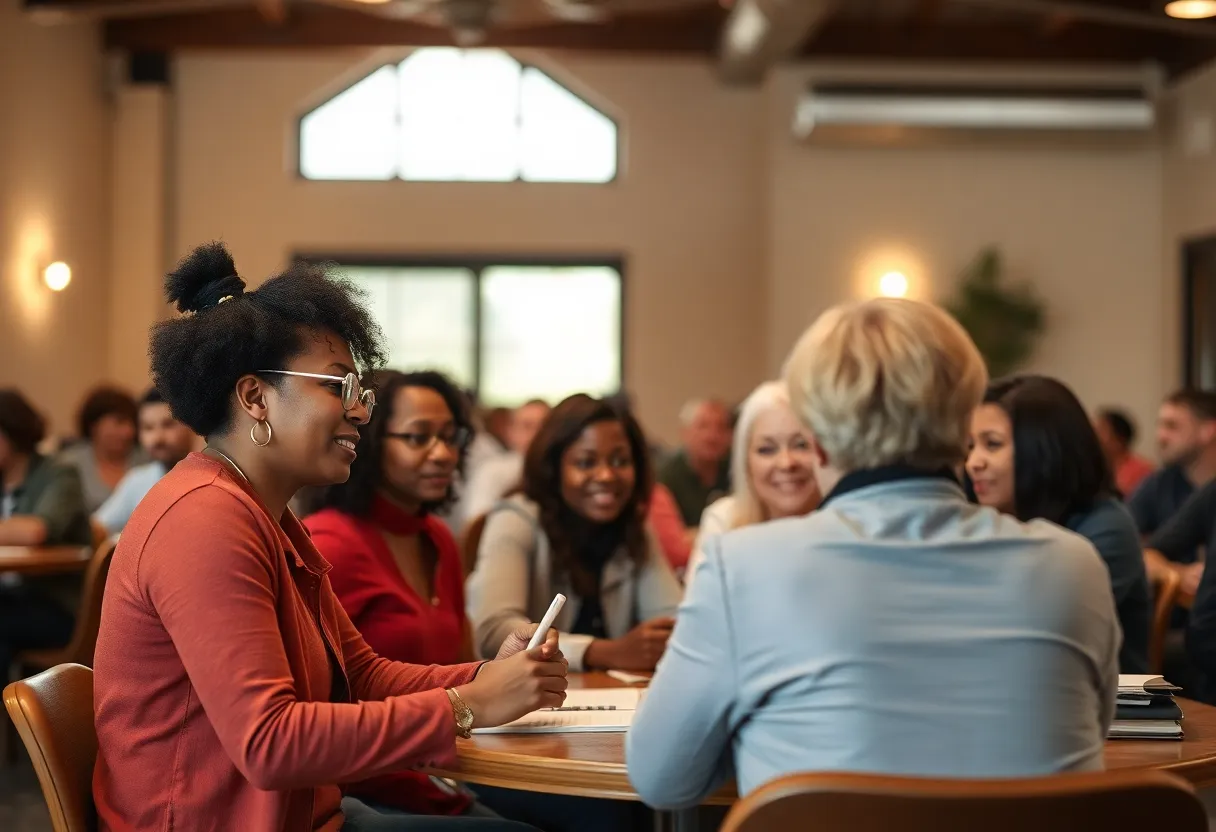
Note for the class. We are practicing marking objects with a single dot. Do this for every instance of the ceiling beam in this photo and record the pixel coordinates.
(759, 33)
(71, 11)
(925, 13)
(996, 42)
(274, 12)
(1141, 19)
(337, 26)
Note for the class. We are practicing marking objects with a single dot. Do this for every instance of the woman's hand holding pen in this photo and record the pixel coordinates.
(518, 681)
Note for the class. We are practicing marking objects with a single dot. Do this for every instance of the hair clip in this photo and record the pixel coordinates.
(224, 298)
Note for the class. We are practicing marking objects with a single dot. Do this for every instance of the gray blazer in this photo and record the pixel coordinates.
(513, 585)
(897, 630)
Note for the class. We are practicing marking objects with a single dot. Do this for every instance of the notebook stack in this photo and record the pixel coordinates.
(1145, 709)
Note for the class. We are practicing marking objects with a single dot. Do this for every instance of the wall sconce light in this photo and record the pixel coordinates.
(57, 276)
(1191, 9)
(893, 285)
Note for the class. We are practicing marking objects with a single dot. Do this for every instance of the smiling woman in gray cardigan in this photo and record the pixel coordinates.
(578, 529)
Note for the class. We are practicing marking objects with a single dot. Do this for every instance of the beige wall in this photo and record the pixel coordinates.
(735, 234)
(1082, 225)
(53, 187)
(1190, 187)
(687, 213)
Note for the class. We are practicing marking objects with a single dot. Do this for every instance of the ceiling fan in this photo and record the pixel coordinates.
(470, 20)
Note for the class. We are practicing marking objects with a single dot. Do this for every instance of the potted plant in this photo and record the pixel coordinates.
(1004, 321)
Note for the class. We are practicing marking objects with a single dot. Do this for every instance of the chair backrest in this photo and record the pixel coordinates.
(472, 542)
(100, 533)
(1166, 585)
(88, 618)
(53, 712)
(1123, 801)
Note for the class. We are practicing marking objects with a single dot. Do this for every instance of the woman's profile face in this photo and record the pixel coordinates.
(598, 474)
(990, 458)
(314, 438)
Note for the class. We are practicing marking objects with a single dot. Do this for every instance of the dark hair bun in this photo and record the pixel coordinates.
(202, 278)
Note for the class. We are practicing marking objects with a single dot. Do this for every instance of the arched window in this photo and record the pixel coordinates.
(455, 115)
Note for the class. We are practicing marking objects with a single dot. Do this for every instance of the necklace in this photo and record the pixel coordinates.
(229, 460)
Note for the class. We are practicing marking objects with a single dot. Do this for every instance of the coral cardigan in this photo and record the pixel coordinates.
(231, 690)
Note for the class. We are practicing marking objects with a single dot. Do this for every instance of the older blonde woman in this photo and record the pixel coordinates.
(897, 629)
(771, 469)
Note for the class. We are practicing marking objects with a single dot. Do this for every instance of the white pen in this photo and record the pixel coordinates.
(538, 638)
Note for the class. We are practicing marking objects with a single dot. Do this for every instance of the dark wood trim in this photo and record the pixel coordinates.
(477, 263)
(310, 25)
(1191, 252)
(1010, 41)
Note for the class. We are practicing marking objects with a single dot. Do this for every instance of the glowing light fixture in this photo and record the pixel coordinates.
(1191, 9)
(893, 285)
(57, 276)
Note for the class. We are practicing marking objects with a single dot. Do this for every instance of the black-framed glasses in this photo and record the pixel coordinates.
(456, 440)
(352, 391)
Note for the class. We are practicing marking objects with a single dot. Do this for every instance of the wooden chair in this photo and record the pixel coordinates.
(1125, 801)
(53, 712)
(84, 637)
(471, 543)
(100, 533)
(1166, 586)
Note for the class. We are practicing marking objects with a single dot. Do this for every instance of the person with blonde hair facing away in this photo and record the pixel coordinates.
(898, 629)
(770, 469)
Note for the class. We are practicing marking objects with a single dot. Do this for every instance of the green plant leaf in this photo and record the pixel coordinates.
(1005, 322)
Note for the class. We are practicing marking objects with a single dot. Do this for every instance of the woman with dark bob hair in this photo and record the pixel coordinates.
(1034, 454)
(231, 689)
(396, 566)
(579, 528)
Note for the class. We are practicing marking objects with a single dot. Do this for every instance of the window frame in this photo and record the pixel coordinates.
(299, 132)
(477, 264)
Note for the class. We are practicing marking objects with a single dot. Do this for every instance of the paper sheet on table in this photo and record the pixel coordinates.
(585, 710)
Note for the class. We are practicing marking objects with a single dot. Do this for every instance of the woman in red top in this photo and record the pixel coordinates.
(397, 570)
(231, 690)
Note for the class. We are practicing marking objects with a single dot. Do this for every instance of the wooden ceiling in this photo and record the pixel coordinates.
(1086, 31)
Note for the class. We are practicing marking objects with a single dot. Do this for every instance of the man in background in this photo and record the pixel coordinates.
(1117, 435)
(166, 441)
(699, 472)
(495, 477)
(1186, 441)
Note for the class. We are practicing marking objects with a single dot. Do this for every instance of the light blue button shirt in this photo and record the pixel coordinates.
(119, 506)
(897, 630)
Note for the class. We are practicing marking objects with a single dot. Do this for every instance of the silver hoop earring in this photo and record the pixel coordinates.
(253, 436)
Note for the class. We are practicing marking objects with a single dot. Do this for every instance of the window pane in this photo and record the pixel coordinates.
(549, 332)
(354, 134)
(562, 137)
(460, 115)
(427, 316)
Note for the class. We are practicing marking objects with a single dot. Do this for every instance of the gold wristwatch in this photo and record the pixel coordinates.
(463, 714)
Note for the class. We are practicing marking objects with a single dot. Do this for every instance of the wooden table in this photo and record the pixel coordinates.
(44, 560)
(593, 765)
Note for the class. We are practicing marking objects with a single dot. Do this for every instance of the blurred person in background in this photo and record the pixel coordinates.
(107, 450)
(41, 504)
(1117, 433)
(166, 441)
(699, 472)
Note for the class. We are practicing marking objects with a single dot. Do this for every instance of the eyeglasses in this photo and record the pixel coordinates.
(352, 391)
(457, 440)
